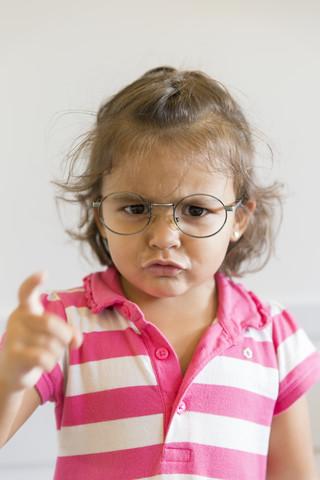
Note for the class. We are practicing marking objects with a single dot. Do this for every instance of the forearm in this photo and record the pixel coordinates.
(10, 404)
(290, 447)
(293, 476)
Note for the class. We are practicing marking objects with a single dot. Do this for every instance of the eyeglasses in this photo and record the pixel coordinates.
(199, 215)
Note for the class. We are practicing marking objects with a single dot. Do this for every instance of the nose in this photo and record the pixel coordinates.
(163, 232)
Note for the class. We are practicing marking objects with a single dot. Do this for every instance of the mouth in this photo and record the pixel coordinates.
(162, 268)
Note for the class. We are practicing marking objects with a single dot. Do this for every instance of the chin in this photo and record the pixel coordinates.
(165, 292)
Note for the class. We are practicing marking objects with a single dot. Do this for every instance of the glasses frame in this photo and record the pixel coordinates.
(231, 207)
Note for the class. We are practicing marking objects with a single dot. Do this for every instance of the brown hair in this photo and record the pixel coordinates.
(191, 111)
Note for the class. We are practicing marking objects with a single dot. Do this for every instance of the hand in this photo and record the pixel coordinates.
(34, 340)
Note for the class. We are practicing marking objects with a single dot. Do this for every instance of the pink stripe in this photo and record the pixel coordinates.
(103, 345)
(216, 462)
(53, 307)
(111, 405)
(121, 465)
(230, 402)
(145, 462)
(298, 382)
(67, 299)
(262, 352)
(73, 299)
(283, 327)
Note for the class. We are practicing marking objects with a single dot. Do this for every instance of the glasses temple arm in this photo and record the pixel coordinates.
(233, 207)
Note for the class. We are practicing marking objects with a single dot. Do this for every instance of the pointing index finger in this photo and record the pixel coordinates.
(28, 293)
(29, 299)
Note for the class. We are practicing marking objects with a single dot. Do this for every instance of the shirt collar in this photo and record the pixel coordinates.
(238, 309)
(103, 290)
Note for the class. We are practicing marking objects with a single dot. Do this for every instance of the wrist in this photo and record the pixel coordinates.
(7, 386)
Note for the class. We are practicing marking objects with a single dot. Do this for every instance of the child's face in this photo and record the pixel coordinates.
(161, 261)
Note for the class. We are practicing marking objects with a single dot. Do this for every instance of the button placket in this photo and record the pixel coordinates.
(181, 408)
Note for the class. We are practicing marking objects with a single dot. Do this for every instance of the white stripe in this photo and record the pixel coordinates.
(233, 372)
(111, 436)
(73, 290)
(110, 373)
(64, 365)
(219, 431)
(275, 308)
(264, 335)
(52, 296)
(292, 351)
(108, 320)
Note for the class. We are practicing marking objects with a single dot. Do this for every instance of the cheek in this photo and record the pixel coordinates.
(114, 246)
(213, 250)
(123, 250)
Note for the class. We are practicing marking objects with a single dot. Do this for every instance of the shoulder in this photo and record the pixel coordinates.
(298, 361)
(247, 310)
(97, 291)
(271, 324)
(235, 300)
(59, 301)
(297, 358)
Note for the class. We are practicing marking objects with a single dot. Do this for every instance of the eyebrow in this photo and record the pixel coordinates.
(126, 197)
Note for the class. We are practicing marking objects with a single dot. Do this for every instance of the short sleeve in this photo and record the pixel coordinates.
(298, 360)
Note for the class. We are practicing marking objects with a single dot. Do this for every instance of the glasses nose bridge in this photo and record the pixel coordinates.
(155, 204)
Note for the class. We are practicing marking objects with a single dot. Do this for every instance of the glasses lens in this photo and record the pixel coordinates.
(200, 215)
(125, 213)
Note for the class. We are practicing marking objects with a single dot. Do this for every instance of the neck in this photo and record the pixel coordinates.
(200, 302)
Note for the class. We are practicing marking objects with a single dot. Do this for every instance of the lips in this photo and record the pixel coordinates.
(164, 268)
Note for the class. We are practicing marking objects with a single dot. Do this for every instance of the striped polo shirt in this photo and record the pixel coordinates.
(125, 412)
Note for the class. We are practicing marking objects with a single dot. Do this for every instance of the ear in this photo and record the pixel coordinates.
(242, 219)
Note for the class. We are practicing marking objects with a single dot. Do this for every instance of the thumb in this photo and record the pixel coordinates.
(29, 295)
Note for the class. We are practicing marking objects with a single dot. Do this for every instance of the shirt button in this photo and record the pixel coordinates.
(247, 352)
(181, 408)
(162, 353)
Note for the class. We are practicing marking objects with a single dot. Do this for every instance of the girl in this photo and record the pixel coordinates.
(174, 371)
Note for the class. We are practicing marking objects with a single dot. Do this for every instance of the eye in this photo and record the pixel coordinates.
(138, 209)
(199, 207)
(195, 211)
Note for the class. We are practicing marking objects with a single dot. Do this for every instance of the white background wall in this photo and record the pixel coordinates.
(69, 55)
